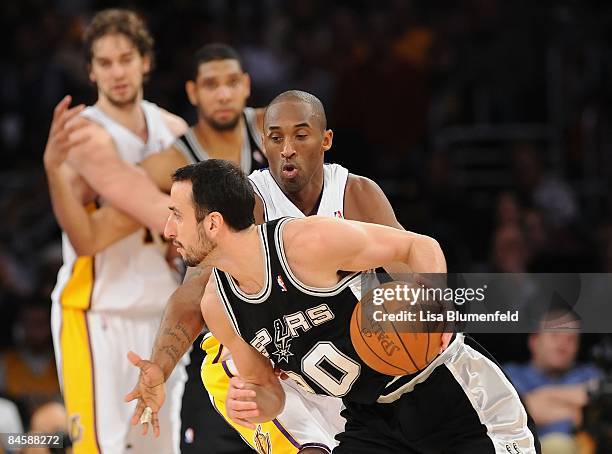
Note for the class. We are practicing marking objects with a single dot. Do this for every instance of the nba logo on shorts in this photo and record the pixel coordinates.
(338, 214)
(281, 283)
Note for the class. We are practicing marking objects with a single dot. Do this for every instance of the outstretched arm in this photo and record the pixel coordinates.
(182, 321)
(260, 396)
(337, 244)
(180, 325)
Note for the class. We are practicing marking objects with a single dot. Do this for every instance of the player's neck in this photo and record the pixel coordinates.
(248, 270)
(221, 144)
(309, 197)
(131, 116)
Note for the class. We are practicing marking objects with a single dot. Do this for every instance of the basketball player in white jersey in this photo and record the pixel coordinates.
(227, 129)
(111, 302)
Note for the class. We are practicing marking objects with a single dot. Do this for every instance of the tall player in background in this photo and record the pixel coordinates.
(226, 128)
(110, 302)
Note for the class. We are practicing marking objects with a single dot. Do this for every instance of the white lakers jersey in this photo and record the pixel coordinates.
(276, 204)
(131, 274)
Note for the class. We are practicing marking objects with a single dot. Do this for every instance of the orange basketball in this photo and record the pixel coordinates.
(388, 344)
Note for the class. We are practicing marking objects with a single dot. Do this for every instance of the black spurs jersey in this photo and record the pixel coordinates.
(304, 330)
(251, 155)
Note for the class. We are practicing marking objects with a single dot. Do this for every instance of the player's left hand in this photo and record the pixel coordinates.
(150, 392)
(241, 403)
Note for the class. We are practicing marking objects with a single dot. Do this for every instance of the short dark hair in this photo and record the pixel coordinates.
(219, 185)
(315, 103)
(121, 21)
(213, 52)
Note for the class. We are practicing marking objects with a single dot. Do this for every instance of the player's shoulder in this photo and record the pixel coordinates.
(95, 129)
(309, 232)
(176, 124)
(361, 193)
(358, 185)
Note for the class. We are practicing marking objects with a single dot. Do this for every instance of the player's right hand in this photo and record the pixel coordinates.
(60, 139)
(150, 391)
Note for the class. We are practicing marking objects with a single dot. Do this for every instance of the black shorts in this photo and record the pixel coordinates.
(450, 412)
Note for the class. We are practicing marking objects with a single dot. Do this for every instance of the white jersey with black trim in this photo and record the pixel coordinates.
(132, 274)
(277, 204)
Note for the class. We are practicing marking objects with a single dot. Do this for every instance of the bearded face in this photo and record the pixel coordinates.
(193, 255)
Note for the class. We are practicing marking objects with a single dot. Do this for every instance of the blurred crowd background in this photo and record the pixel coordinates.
(486, 122)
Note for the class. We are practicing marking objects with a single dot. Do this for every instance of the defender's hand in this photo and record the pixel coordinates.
(150, 392)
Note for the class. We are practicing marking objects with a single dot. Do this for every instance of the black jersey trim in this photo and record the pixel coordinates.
(199, 151)
(246, 153)
(184, 147)
(264, 293)
(307, 289)
(253, 132)
(224, 299)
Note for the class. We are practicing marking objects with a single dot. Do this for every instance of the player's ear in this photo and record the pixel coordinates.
(328, 137)
(90, 73)
(146, 64)
(190, 89)
(214, 223)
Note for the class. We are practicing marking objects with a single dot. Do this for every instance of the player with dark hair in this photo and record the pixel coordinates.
(298, 276)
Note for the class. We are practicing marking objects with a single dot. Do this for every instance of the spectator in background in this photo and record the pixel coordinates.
(553, 386)
(509, 210)
(50, 418)
(543, 190)
(27, 371)
(509, 253)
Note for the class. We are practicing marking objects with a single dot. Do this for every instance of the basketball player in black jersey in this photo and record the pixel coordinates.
(296, 140)
(284, 275)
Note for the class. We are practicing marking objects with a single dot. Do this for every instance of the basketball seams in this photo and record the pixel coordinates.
(417, 368)
(357, 320)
